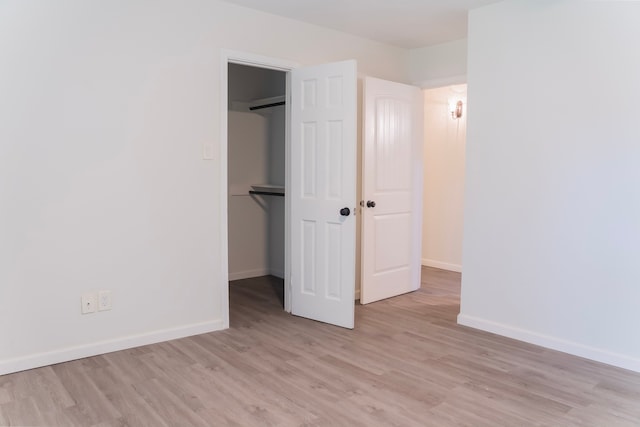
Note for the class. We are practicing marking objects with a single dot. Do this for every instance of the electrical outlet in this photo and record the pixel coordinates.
(89, 302)
(104, 300)
(207, 151)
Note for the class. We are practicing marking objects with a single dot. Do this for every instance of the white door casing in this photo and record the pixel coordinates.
(392, 179)
(322, 182)
(251, 59)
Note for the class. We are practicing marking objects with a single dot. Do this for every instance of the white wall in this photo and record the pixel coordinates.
(443, 195)
(248, 217)
(105, 108)
(256, 154)
(439, 65)
(276, 177)
(552, 207)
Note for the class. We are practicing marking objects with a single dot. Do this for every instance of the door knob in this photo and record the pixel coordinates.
(371, 204)
(345, 211)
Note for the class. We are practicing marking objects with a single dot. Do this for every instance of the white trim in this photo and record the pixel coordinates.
(554, 343)
(224, 202)
(255, 60)
(277, 273)
(107, 346)
(441, 265)
(441, 82)
(357, 295)
(288, 290)
(259, 272)
(247, 274)
(236, 57)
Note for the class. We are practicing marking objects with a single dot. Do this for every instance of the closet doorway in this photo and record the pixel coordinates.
(256, 173)
(320, 188)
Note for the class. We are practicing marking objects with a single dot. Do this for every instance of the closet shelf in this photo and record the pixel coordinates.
(267, 190)
(266, 193)
(259, 104)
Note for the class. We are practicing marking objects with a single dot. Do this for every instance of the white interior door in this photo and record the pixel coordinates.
(322, 185)
(391, 189)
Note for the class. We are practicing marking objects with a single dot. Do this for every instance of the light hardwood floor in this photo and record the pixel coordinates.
(407, 363)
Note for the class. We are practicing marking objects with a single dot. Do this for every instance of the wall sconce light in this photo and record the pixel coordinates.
(455, 108)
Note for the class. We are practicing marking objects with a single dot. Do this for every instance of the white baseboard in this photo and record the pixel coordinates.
(239, 275)
(441, 265)
(554, 343)
(108, 346)
(248, 274)
(357, 296)
(277, 273)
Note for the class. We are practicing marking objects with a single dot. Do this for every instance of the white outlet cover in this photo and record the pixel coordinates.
(89, 303)
(207, 151)
(104, 300)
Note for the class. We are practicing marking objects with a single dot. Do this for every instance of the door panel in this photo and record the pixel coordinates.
(392, 178)
(389, 228)
(323, 181)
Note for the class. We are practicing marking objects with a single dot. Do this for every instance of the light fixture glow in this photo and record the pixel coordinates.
(455, 108)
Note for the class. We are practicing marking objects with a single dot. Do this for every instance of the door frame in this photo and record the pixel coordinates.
(253, 60)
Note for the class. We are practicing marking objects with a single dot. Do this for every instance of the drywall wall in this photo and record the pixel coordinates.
(443, 195)
(276, 176)
(105, 109)
(248, 216)
(552, 229)
(439, 65)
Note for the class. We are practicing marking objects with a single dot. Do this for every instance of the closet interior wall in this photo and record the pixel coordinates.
(256, 155)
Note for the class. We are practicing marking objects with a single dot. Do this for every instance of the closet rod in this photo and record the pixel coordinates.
(266, 193)
(273, 104)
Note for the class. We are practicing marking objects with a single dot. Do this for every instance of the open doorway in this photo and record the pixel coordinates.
(320, 187)
(256, 172)
(322, 119)
(444, 167)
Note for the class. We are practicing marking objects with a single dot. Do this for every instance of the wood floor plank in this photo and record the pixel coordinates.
(169, 403)
(407, 363)
(124, 398)
(41, 385)
(91, 405)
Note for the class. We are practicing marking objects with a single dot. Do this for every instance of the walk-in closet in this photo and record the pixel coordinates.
(256, 172)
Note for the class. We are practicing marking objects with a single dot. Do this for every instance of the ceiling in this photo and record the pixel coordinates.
(403, 23)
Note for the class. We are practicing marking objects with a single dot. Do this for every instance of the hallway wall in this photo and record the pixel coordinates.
(444, 163)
